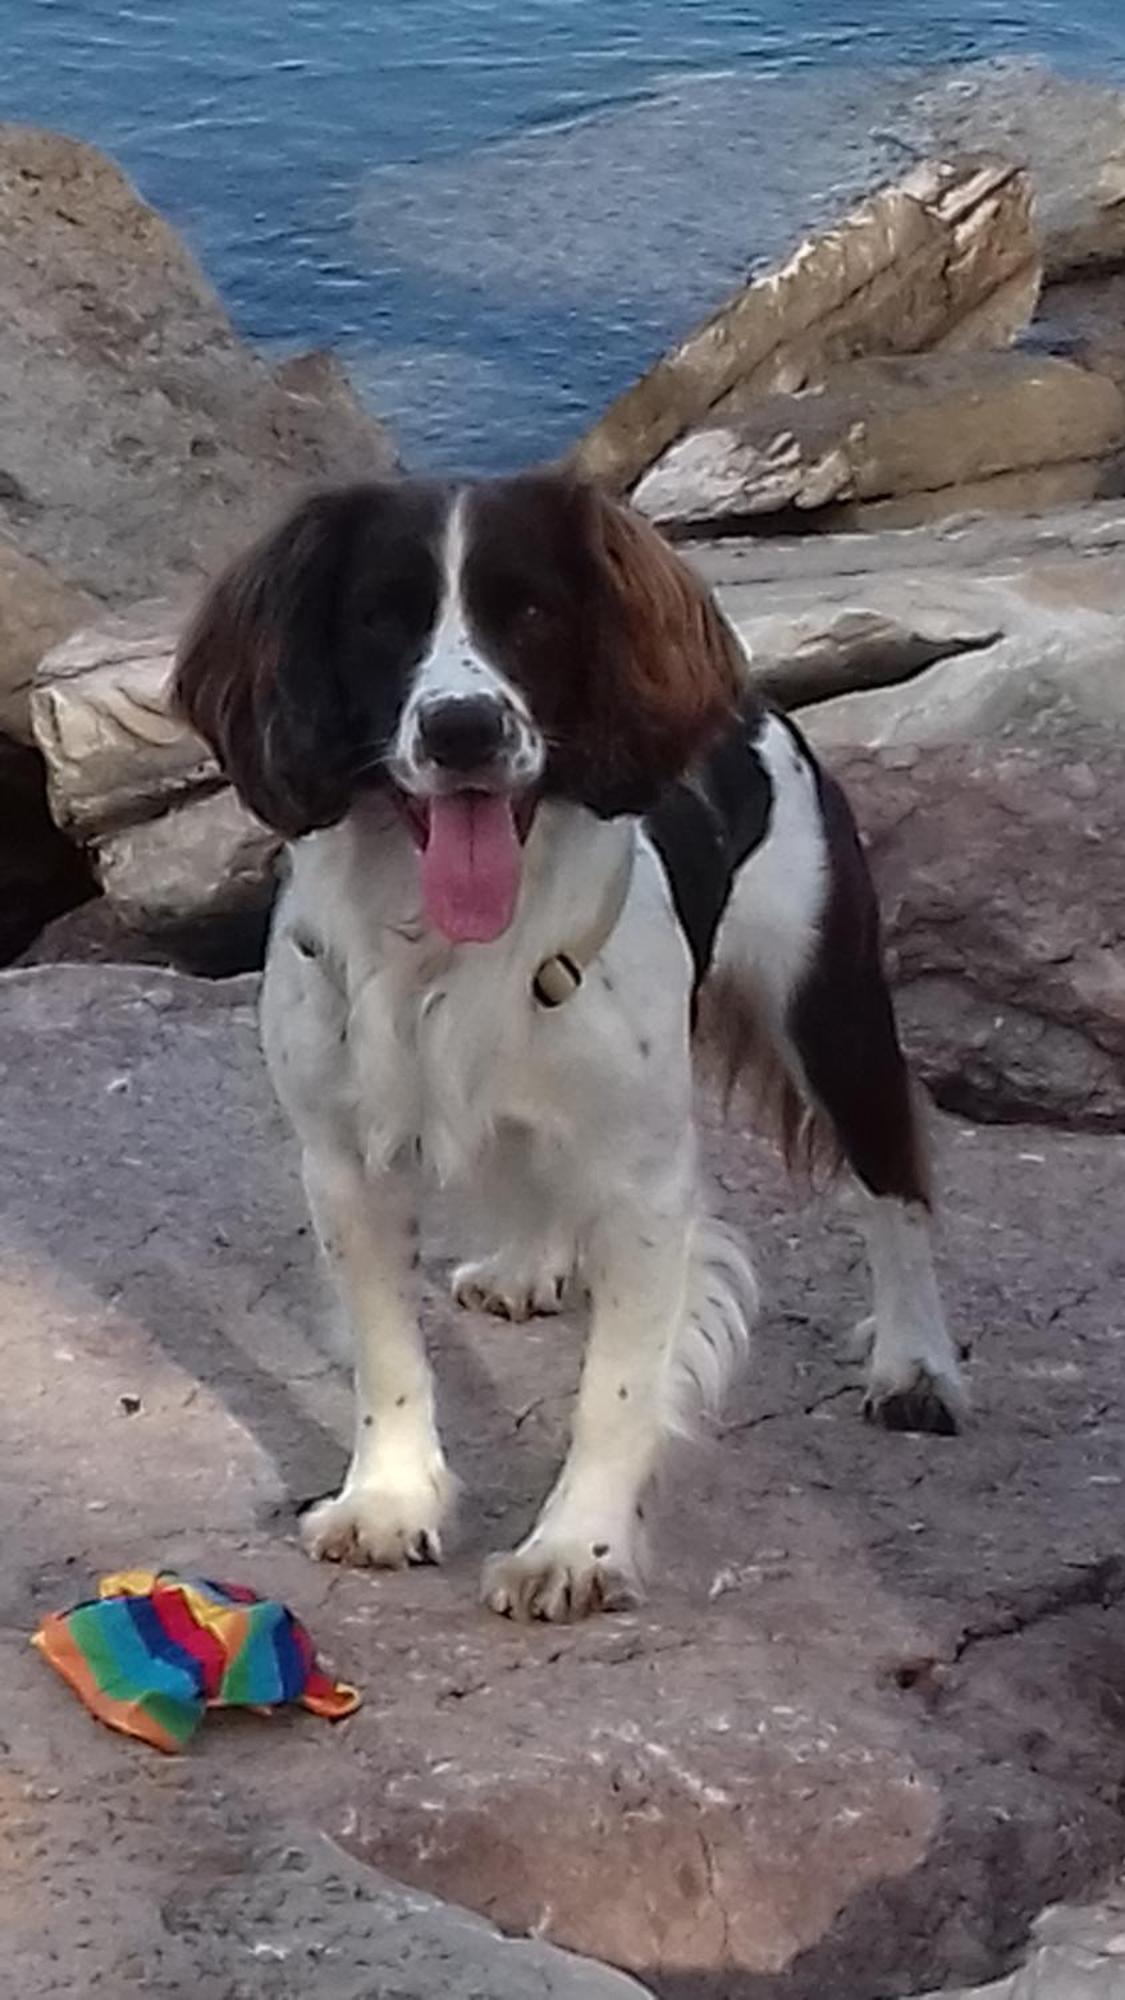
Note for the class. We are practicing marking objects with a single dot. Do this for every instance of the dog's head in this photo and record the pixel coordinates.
(471, 649)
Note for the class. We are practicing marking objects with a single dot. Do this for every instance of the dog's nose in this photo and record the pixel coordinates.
(463, 732)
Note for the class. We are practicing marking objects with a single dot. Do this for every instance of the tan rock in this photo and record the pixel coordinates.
(37, 609)
(888, 427)
(142, 438)
(947, 256)
(171, 846)
(114, 751)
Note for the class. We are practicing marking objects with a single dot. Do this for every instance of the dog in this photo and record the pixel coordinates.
(545, 839)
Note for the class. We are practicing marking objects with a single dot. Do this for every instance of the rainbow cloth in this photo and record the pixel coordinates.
(153, 1650)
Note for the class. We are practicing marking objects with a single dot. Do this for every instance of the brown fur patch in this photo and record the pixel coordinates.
(683, 668)
(738, 1054)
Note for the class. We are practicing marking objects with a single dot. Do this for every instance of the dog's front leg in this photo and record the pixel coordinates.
(584, 1553)
(398, 1489)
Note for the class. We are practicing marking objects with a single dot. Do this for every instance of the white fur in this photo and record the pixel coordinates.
(454, 669)
(399, 1058)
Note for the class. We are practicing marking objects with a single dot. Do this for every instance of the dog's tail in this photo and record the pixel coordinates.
(722, 1304)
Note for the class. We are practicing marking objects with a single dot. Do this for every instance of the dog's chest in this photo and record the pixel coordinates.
(441, 1052)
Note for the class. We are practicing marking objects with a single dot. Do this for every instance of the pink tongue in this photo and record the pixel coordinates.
(471, 866)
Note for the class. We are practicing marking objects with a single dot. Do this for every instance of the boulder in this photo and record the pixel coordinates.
(201, 878)
(142, 440)
(939, 431)
(142, 437)
(1077, 1953)
(180, 861)
(830, 1756)
(947, 259)
(1068, 131)
(114, 752)
(999, 875)
(37, 609)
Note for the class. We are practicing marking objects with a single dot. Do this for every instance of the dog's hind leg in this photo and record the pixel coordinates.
(799, 955)
(529, 1267)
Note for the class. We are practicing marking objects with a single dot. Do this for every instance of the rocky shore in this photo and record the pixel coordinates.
(872, 1721)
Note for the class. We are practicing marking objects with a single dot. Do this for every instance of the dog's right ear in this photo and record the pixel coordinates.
(255, 673)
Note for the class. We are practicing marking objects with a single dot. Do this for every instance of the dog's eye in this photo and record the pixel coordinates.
(398, 606)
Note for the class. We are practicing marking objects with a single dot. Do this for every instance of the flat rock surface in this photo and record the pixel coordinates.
(870, 1720)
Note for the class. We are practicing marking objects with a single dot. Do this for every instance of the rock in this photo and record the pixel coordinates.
(1085, 321)
(385, 1939)
(181, 862)
(946, 259)
(940, 426)
(41, 873)
(204, 870)
(831, 1756)
(1050, 593)
(100, 712)
(1069, 132)
(37, 609)
(142, 438)
(1077, 1953)
(796, 662)
(94, 934)
(998, 869)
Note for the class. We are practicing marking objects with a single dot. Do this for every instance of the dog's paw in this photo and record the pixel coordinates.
(560, 1579)
(381, 1526)
(926, 1398)
(512, 1290)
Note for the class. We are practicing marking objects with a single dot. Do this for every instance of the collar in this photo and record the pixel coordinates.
(558, 978)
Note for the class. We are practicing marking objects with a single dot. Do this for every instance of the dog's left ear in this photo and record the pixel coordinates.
(672, 669)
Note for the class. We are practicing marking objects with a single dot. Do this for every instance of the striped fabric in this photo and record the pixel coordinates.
(153, 1651)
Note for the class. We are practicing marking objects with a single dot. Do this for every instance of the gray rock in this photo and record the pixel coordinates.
(1069, 131)
(210, 858)
(309, 1912)
(833, 1755)
(998, 868)
(1077, 1953)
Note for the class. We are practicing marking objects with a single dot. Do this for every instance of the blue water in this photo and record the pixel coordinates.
(499, 210)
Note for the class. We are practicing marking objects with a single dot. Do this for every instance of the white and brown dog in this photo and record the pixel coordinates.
(541, 834)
